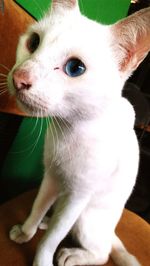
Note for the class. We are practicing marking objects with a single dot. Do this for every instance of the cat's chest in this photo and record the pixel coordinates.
(60, 143)
(78, 151)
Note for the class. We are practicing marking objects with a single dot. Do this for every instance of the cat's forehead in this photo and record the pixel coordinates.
(72, 30)
(53, 23)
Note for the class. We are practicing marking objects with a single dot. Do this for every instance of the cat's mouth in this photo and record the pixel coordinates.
(33, 107)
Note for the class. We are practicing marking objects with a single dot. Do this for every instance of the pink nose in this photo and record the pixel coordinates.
(22, 80)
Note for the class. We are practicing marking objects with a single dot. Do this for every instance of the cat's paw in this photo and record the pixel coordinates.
(67, 257)
(16, 234)
(78, 256)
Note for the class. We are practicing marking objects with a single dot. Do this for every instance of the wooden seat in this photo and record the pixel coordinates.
(133, 230)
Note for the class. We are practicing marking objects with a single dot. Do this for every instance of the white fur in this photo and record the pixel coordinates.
(91, 152)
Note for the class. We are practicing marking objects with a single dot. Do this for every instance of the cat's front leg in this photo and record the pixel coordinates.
(43, 258)
(44, 200)
(67, 210)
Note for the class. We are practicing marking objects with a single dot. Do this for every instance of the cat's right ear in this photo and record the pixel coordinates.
(130, 40)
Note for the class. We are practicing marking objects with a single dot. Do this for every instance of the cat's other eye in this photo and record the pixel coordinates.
(74, 67)
(33, 42)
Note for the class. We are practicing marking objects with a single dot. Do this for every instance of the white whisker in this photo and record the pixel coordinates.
(32, 147)
(3, 83)
(3, 87)
(66, 124)
(39, 135)
(63, 135)
(5, 67)
(3, 75)
(32, 131)
(3, 92)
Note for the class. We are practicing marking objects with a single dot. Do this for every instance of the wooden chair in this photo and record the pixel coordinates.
(133, 230)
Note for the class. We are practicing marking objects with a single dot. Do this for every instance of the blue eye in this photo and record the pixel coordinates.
(74, 67)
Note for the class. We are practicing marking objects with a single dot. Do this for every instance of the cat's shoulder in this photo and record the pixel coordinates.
(127, 112)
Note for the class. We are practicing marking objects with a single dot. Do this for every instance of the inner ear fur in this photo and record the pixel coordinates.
(131, 40)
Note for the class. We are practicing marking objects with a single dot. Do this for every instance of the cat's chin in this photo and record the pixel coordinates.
(30, 110)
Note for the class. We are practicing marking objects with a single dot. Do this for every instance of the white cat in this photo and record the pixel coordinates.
(73, 69)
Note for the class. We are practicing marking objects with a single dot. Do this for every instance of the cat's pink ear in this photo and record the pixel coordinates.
(131, 40)
(64, 3)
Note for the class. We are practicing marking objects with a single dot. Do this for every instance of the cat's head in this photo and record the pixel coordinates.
(67, 64)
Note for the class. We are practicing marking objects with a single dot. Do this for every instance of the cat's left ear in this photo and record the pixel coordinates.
(130, 40)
